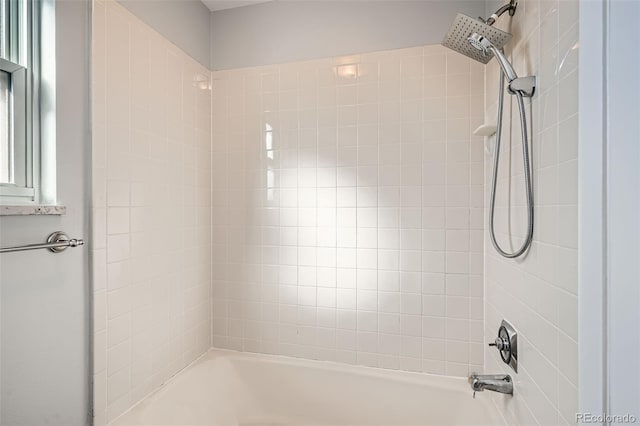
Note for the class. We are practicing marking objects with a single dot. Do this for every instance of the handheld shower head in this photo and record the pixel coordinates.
(479, 42)
(484, 45)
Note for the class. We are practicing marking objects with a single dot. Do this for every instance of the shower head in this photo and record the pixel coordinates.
(464, 27)
(479, 42)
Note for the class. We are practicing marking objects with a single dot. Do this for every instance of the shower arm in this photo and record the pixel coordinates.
(509, 7)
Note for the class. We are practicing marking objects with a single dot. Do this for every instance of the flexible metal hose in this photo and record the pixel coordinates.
(527, 174)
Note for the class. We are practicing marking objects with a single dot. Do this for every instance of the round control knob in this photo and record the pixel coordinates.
(502, 344)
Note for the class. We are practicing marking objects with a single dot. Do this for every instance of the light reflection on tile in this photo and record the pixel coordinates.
(374, 152)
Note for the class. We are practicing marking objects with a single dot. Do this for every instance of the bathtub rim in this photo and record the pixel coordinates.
(451, 383)
(403, 376)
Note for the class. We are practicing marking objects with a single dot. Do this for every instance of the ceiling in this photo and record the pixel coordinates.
(215, 5)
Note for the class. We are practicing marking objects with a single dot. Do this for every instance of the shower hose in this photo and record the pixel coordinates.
(527, 174)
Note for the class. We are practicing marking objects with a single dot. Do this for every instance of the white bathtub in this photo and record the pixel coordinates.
(230, 388)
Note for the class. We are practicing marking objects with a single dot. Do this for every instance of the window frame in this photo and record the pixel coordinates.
(27, 53)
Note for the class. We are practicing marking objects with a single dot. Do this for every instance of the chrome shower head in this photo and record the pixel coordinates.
(479, 42)
(463, 28)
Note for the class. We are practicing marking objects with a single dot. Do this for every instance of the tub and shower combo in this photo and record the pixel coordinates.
(225, 387)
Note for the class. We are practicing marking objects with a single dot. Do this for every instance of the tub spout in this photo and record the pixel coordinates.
(494, 382)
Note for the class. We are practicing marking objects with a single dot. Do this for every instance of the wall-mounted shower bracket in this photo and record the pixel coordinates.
(524, 85)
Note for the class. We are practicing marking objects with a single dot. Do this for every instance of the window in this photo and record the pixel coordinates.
(27, 102)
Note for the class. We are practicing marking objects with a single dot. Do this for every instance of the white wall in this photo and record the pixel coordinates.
(45, 297)
(185, 23)
(286, 31)
(538, 292)
(623, 190)
(348, 212)
(151, 216)
(592, 249)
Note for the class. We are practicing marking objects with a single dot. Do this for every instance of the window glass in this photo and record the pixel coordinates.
(3, 28)
(26, 154)
(5, 128)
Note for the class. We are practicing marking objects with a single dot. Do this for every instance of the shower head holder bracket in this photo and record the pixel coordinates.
(525, 85)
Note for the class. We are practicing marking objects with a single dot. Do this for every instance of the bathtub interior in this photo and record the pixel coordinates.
(227, 388)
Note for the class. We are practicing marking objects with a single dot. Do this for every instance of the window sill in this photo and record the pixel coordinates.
(32, 210)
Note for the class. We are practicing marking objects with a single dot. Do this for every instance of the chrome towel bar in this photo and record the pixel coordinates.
(56, 242)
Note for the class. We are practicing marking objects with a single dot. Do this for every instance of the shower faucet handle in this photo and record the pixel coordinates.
(501, 344)
(507, 345)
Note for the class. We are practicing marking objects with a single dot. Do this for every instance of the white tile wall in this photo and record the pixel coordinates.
(340, 215)
(348, 210)
(538, 293)
(151, 241)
